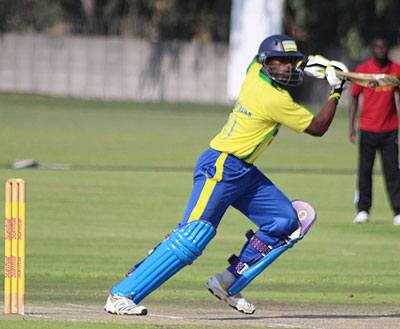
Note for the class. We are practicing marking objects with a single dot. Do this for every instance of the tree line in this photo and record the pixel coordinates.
(316, 25)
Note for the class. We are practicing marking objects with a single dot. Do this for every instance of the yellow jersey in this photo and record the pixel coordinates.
(262, 107)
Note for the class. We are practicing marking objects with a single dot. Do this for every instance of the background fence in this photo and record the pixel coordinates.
(113, 68)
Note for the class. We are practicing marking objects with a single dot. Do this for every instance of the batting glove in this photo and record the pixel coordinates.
(336, 83)
(316, 66)
(341, 67)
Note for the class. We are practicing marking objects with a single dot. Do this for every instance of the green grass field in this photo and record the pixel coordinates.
(130, 180)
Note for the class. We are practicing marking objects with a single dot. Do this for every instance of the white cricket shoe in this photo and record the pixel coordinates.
(361, 218)
(237, 301)
(396, 220)
(123, 306)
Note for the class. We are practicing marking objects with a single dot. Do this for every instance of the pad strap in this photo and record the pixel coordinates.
(257, 244)
(237, 264)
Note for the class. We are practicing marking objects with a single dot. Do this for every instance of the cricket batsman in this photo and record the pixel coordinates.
(225, 175)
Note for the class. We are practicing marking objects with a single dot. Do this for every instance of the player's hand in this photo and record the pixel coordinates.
(316, 66)
(340, 66)
(336, 83)
(332, 78)
(353, 135)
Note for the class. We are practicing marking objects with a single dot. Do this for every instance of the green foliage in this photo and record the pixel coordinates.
(28, 15)
(317, 25)
(206, 20)
(349, 23)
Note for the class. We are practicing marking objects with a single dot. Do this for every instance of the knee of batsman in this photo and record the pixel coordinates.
(284, 224)
(292, 220)
(188, 242)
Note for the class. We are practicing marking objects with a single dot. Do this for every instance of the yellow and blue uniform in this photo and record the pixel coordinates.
(225, 175)
(261, 109)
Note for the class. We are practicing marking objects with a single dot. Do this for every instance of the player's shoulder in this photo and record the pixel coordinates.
(253, 68)
(254, 63)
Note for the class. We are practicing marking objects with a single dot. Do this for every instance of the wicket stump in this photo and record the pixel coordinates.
(14, 253)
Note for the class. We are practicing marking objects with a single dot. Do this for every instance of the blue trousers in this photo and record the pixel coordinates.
(222, 180)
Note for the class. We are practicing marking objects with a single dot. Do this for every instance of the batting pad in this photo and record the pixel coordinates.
(307, 216)
(182, 247)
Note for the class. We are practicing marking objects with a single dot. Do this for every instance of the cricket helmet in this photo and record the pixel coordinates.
(280, 45)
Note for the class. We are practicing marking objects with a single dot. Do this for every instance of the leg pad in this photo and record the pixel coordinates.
(306, 215)
(182, 247)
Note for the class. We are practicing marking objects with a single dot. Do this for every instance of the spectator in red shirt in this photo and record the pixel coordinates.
(378, 130)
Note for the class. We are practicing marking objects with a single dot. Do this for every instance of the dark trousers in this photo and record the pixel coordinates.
(387, 145)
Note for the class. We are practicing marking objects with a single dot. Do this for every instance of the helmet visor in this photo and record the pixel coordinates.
(290, 77)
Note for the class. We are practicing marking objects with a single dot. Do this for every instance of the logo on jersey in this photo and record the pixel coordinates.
(241, 109)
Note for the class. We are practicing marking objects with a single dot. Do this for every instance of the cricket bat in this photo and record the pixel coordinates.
(370, 80)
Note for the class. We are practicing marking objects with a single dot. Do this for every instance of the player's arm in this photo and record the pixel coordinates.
(353, 107)
(321, 122)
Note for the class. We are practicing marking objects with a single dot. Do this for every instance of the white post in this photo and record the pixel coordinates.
(251, 22)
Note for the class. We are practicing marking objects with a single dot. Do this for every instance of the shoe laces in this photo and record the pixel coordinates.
(119, 302)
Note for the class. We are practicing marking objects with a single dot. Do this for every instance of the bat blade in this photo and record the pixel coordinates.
(370, 80)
